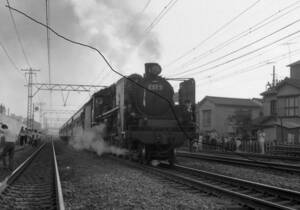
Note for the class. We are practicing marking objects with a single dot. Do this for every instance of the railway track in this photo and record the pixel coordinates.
(35, 184)
(245, 193)
(283, 167)
(254, 155)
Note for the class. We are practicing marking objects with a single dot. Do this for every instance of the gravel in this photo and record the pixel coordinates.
(20, 156)
(92, 182)
(269, 177)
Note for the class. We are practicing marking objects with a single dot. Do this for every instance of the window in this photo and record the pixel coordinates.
(291, 106)
(273, 107)
(206, 118)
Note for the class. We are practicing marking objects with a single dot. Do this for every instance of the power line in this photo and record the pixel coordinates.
(48, 48)
(18, 36)
(237, 64)
(253, 67)
(48, 40)
(145, 7)
(110, 66)
(237, 37)
(120, 74)
(213, 34)
(9, 58)
(251, 52)
(241, 48)
(160, 16)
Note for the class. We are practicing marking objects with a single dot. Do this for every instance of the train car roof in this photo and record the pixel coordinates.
(70, 119)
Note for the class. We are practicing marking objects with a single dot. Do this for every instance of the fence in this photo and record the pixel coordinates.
(246, 146)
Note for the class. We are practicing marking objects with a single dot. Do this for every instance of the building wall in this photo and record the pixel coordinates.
(267, 104)
(279, 133)
(220, 115)
(281, 96)
(206, 105)
(223, 125)
(288, 90)
(295, 72)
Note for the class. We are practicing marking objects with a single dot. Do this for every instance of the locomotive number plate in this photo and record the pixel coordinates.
(155, 87)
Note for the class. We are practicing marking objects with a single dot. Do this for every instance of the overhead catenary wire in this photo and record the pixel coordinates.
(109, 65)
(18, 36)
(145, 7)
(249, 53)
(237, 64)
(266, 21)
(115, 71)
(242, 48)
(48, 48)
(252, 67)
(48, 41)
(212, 35)
(10, 58)
(160, 16)
(12, 61)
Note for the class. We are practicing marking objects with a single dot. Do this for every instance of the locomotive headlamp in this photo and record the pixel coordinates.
(152, 68)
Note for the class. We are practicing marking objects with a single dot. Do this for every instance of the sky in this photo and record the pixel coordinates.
(229, 47)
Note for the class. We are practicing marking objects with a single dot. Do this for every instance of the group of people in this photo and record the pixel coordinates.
(212, 141)
(9, 139)
(32, 137)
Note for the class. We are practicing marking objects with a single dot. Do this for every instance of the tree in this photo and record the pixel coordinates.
(241, 120)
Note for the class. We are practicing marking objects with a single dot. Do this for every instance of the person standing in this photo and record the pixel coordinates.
(261, 140)
(22, 136)
(9, 146)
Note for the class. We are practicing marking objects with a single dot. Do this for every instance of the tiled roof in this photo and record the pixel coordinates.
(287, 81)
(231, 101)
(261, 120)
(294, 64)
(270, 91)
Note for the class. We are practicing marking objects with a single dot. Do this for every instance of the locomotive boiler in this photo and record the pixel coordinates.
(141, 115)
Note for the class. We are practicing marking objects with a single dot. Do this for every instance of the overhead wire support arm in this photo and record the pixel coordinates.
(64, 87)
(132, 80)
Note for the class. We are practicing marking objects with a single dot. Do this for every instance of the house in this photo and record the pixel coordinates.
(226, 115)
(281, 102)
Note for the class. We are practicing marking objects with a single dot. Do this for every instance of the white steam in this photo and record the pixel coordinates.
(92, 139)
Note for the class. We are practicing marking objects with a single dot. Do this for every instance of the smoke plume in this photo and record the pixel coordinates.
(115, 27)
(92, 140)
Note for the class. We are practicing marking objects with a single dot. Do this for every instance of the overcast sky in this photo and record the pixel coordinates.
(190, 30)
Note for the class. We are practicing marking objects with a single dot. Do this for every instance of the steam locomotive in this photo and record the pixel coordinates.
(138, 119)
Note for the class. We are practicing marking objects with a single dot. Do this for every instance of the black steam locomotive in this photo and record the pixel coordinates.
(139, 120)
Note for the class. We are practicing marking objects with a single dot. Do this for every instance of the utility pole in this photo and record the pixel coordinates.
(273, 77)
(30, 72)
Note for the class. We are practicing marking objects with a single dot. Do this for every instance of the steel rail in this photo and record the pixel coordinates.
(16, 173)
(252, 155)
(59, 194)
(11, 188)
(252, 163)
(282, 193)
(246, 193)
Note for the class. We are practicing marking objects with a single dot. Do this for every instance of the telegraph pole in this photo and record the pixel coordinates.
(273, 77)
(30, 72)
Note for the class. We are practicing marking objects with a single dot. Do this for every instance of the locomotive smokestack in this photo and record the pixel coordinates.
(152, 69)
